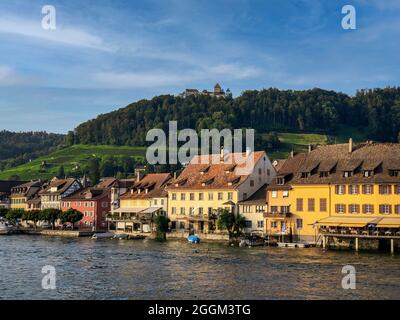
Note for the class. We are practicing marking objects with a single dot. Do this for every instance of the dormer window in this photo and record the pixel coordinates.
(305, 174)
(280, 181)
(368, 173)
(323, 174)
(394, 173)
(347, 174)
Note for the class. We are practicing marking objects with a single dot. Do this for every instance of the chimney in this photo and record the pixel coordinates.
(175, 175)
(292, 154)
(222, 155)
(309, 148)
(350, 145)
(248, 152)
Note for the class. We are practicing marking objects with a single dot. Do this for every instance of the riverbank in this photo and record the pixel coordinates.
(88, 269)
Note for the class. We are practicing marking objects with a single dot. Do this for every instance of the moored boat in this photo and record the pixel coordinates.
(103, 235)
(193, 239)
(5, 228)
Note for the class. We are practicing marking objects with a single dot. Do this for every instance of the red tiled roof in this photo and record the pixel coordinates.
(155, 183)
(219, 175)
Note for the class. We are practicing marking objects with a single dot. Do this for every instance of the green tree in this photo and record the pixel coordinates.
(3, 212)
(51, 216)
(33, 216)
(161, 223)
(14, 214)
(227, 220)
(94, 170)
(73, 216)
(70, 138)
(61, 172)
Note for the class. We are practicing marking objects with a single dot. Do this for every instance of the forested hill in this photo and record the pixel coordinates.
(20, 147)
(268, 110)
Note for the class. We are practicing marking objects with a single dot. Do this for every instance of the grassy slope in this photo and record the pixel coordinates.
(299, 141)
(69, 157)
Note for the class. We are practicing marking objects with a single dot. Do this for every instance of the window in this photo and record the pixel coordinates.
(260, 224)
(285, 209)
(260, 208)
(220, 196)
(368, 173)
(183, 196)
(274, 224)
(274, 194)
(397, 209)
(322, 205)
(251, 183)
(311, 204)
(244, 195)
(368, 189)
(191, 197)
(397, 189)
(181, 225)
(162, 202)
(104, 204)
(368, 208)
(280, 181)
(174, 196)
(385, 209)
(92, 204)
(299, 223)
(354, 208)
(210, 196)
(323, 174)
(191, 210)
(201, 211)
(274, 209)
(268, 172)
(285, 194)
(385, 189)
(210, 211)
(173, 210)
(353, 189)
(340, 208)
(182, 211)
(201, 196)
(340, 189)
(247, 224)
(299, 204)
(259, 171)
(155, 202)
(394, 173)
(347, 174)
(230, 195)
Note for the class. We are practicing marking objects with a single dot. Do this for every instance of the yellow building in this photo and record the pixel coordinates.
(213, 182)
(22, 194)
(344, 187)
(143, 200)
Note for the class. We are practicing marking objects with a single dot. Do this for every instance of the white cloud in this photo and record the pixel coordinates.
(165, 78)
(8, 77)
(63, 35)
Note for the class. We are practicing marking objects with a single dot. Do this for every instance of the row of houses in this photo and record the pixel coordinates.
(331, 186)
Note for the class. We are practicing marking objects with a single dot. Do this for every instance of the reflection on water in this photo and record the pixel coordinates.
(105, 269)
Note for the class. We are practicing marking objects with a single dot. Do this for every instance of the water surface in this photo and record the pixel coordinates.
(108, 269)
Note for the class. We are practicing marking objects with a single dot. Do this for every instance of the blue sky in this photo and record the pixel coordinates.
(107, 54)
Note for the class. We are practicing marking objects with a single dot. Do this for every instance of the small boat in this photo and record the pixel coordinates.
(121, 236)
(293, 245)
(103, 235)
(193, 239)
(5, 228)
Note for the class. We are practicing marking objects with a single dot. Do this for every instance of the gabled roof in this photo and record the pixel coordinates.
(258, 198)
(155, 184)
(62, 185)
(28, 189)
(88, 194)
(379, 157)
(225, 174)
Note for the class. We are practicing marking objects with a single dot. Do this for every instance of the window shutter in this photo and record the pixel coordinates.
(364, 189)
(380, 208)
(390, 208)
(349, 187)
(337, 189)
(389, 189)
(397, 208)
(397, 189)
(358, 208)
(358, 189)
(372, 208)
(336, 208)
(380, 189)
(364, 208)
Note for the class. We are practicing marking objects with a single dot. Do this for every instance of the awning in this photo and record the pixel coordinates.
(336, 221)
(151, 210)
(389, 222)
(129, 210)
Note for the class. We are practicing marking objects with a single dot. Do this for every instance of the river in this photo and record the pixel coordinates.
(145, 269)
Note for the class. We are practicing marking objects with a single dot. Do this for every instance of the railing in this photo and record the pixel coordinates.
(277, 214)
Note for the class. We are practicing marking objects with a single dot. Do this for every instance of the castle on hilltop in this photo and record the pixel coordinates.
(218, 92)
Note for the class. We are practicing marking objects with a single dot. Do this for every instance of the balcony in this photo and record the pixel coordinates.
(277, 215)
